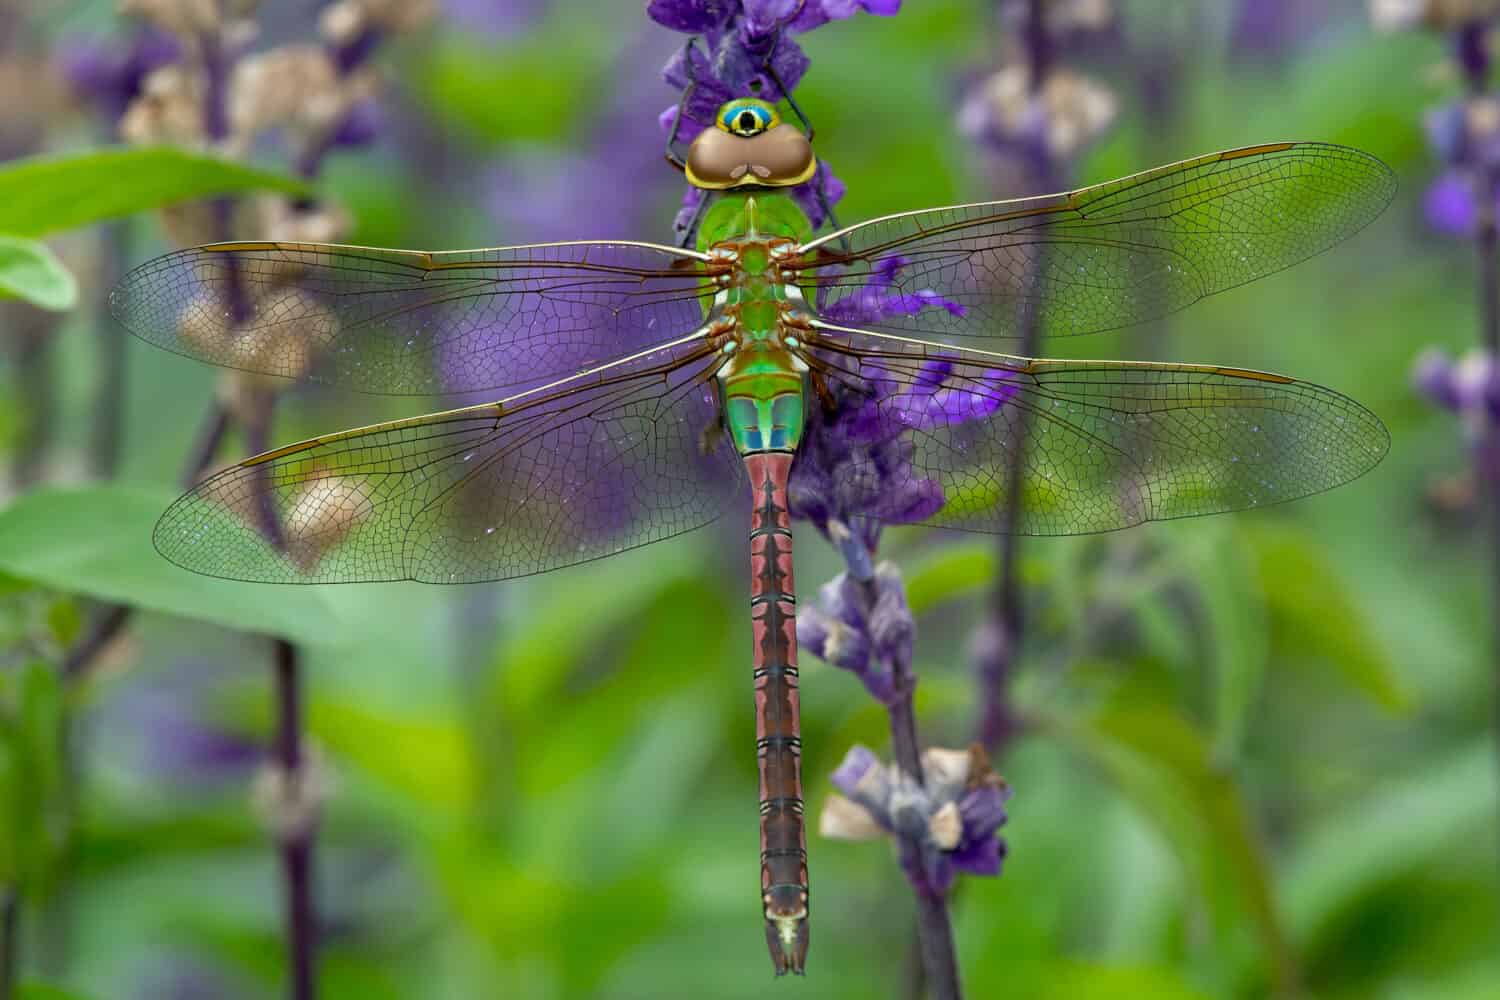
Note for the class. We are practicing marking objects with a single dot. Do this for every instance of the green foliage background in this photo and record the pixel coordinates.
(1258, 760)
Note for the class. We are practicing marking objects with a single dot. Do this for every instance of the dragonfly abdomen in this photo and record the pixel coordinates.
(773, 613)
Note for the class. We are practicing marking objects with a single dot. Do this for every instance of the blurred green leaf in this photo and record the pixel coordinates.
(482, 89)
(1233, 604)
(950, 572)
(31, 271)
(427, 759)
(47, 194)
(33, 810)
(96, 541)
(1165, 766)
(1308, 602)
(1405, 824)
(44, 991)
(1088, 981)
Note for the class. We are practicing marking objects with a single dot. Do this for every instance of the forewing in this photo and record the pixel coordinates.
(1107, 256)
(604, 462)
(408, 322)
(1102, 444)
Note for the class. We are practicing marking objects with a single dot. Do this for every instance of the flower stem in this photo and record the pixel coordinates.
(296, 845)
(10, 938)
(1472, 43)
(933, 924)
(1000, 640)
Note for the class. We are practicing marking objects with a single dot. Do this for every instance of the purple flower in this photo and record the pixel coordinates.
(1469, 386)
(109, 77)
(956, 815)
(1449, 204)
(875, 301)
(867, 629)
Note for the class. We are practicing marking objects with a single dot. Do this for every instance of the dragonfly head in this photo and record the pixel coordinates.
(750, 145)
(786, 927)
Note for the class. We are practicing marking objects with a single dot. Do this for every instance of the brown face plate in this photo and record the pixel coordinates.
(779, 157)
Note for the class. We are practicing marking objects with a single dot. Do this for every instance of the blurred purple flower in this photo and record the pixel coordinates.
(956, 816)
(183, 747)
(495, 17)
(875, 301)
(1468, 386)
(867, 629)
(1449, 204)
(109, 77)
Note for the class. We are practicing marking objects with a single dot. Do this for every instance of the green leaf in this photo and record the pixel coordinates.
(44, 991)
(47, 194)
(1404, 825)
(1165, 766)
(1307, 600)
(31, 271)
(96, 541)
(1232, 600)
(428, 759)
(951, 572)
(1081, 981)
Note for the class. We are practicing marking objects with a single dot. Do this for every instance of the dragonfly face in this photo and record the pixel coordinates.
(750, 145)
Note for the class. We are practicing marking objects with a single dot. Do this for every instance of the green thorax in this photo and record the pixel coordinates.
(762, 381)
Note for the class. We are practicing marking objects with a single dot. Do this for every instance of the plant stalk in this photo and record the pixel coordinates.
(10, 940)
(297, 843)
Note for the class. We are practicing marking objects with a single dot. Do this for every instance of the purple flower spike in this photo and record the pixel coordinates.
(692, 17)
(110, 78)
(956, 816)
(1433, 376)
(1449, 205)
(857, 763)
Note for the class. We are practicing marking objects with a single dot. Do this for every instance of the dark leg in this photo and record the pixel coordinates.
(687, 63)
(807, 127)
(770, 69)
(689, 233)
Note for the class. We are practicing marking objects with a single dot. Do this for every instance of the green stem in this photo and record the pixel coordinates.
(10, 940)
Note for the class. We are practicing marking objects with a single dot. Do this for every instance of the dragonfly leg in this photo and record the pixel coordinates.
(672, 156)
(689, 232)
(820, 188)
(770, 69)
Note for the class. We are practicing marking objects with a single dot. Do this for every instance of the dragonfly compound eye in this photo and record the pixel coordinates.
(748, 117)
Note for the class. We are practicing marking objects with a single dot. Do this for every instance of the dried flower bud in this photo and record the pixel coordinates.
(945, 828)
(168, 110)
(281, 220)
(204, 323)
(1440, 15)
(1064, 16)
(841, 819)
(342, 23)
(288, 803)
(191, 223)
(1065, 114)
(323, 515)
(397, 15)
(188, 19)
(291, 329)
(293, 85)
(956, 814)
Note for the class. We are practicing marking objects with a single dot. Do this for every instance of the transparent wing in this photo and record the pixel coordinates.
(1107, 444)
(1107, 256)
(603, 461)
(407, 322)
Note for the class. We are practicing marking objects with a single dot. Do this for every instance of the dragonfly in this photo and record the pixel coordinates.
(643, 387)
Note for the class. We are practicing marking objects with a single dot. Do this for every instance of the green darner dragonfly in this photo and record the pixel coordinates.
(644, 383)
